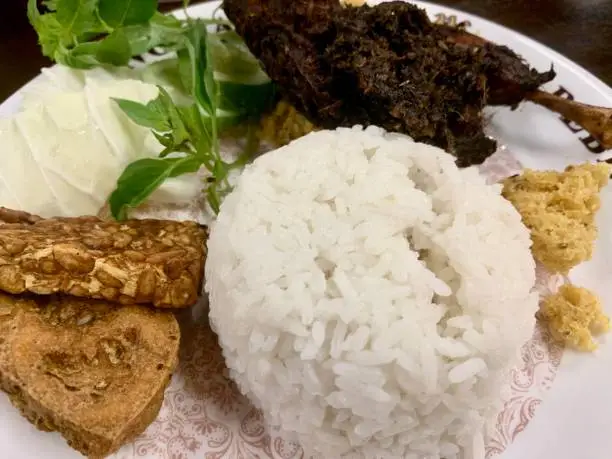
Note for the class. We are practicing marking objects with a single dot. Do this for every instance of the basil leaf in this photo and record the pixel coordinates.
(246, 99)
(166, 73)
(210, 84)
(184, 70)
(48, 29)
(224, 120)
(195, 46)
(162, 115)
(161, 30)
(82, 56)
(189, 121)
(144, 115)
(165, 140)
(167, 22)
(132, 26)
(164, 104)
(115, 49)
(117, 13)
(77, 16)
(51, 5)
(143, 177)
(213, 199)
(166, 30)
(139, 38)
(231, 56)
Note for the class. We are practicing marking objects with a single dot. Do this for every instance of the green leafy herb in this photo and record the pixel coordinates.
(195, 68)
(173, 126)
(215, 77)
(89, 33)
(166, 73)
(50, 4)
(47, 27)
(184, 70)
(166, 23)
(145, 115)
(232, 57)
(82, 56)
(145, 176)
(117, 13)
(246, 99)
(192, 130)
(114, 49)
(140, 37)
(164, 31)
(76, 16)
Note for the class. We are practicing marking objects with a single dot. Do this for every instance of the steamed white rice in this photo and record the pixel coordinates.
(369, 296)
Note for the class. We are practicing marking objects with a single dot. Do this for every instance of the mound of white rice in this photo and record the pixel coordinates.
(369, 296)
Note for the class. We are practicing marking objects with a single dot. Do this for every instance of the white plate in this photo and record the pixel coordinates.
(203, 415)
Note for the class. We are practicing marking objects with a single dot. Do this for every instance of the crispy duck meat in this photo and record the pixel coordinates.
(509, 78)
(386, 65)
(505, 90)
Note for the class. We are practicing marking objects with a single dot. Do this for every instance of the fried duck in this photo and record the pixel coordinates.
(387, 65)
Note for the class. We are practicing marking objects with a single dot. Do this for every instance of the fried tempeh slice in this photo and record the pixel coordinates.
(135, 261)
(85, 368)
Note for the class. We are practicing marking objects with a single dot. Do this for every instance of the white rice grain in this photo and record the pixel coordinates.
(369, 296)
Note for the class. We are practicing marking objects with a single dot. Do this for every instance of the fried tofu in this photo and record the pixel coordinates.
(92, 371)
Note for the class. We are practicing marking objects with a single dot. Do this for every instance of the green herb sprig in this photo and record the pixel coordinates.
(88, 33)
(220, 77)
(190, 131)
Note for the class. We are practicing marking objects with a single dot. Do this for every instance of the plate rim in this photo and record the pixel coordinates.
(8, 106)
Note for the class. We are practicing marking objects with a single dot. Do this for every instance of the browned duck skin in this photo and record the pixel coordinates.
(507, 87)
(386, 65)
(509, 78)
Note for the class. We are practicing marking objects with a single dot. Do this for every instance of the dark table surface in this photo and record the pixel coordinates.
(579, 29)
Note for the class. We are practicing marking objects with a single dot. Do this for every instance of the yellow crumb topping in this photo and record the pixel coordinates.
(283, 125)
(559, 209)
(573, 316)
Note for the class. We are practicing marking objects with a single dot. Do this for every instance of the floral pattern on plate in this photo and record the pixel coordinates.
(205, 416)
